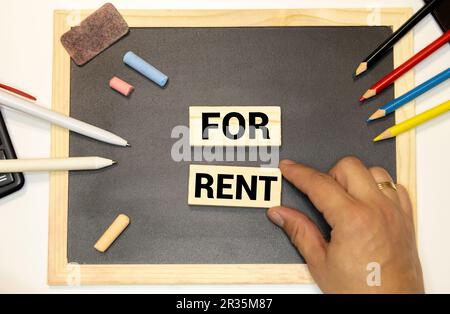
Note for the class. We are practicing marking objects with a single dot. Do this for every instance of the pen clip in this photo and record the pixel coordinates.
(17, 92)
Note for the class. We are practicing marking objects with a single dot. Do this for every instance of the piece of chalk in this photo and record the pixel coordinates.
(121, 86)
(117, 227)
(145, 68)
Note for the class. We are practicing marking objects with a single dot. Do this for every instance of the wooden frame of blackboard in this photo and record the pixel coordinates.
(61, 272)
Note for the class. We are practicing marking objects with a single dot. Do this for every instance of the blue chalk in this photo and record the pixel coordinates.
(145, 68)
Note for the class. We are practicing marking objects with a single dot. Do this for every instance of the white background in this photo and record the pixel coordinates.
(26, 33)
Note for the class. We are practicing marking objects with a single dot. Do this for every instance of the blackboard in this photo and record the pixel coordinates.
(307, 71)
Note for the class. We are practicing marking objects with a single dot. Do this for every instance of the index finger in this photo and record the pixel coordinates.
(325, 193)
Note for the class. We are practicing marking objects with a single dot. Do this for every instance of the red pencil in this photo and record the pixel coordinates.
(18, 92)
(405, 67)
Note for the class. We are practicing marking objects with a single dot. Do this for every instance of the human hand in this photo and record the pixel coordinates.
(369, 225)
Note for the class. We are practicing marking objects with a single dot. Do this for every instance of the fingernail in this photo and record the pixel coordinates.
(276, 218)
(287, 162)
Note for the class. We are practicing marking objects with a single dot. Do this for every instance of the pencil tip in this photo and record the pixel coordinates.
(114, 162)
(361, 68)
(369, 94)
(383, 136)
(128, 145)
(377, 114)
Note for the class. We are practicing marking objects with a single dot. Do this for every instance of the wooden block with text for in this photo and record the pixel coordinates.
(235, 126)
(234, 186)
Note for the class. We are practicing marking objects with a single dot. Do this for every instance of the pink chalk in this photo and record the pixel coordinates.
(121, 86)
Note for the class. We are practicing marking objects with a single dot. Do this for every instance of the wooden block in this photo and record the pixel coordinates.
(234, 186)
(235, 126)
(117, 227)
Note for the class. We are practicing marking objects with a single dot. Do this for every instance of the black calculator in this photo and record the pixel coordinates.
(9, 182)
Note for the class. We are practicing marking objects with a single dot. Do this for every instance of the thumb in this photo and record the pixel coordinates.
(303, 233)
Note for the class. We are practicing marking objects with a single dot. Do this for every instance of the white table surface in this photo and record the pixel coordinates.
(26, 34)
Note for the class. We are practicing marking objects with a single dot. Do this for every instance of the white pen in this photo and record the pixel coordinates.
(13, 102)
(56, 164)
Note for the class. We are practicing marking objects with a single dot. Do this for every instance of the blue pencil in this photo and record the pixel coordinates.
(414, 93)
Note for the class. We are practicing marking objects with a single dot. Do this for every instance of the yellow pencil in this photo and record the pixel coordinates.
(413, 122)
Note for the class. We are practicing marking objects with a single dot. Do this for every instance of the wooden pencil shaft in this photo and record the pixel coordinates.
(58, 164)
(378, 53)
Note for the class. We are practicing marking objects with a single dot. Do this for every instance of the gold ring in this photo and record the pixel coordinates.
(387, 184)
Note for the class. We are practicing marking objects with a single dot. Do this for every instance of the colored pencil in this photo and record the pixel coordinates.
(405, 67)
(411, 95)
(375, 56)
(413, 122)
(17, 91)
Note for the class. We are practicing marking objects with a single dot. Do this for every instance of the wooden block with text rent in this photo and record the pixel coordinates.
(235, 126)
(234, 186)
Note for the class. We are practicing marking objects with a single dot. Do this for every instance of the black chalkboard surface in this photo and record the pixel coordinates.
(307, 71)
